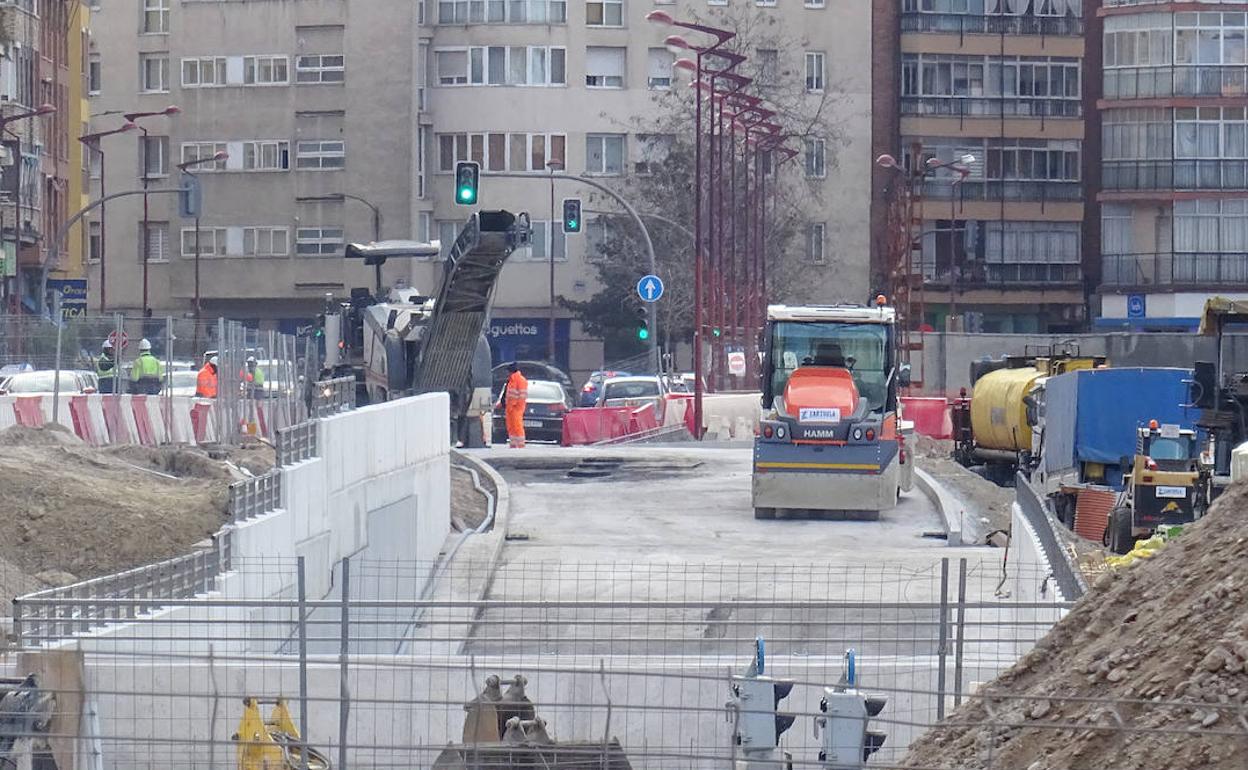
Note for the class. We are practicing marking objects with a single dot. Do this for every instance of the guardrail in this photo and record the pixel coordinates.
(297, 443)
(1065, 572)
(255, 496)
(990, 107)
(979, 24)
(333, 396)
(1229, 80)
(1174, 269)
(1177, 174)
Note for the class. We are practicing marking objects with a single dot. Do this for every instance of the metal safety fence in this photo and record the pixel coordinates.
(255, 496)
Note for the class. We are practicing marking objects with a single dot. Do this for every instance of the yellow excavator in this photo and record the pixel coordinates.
(273, 744)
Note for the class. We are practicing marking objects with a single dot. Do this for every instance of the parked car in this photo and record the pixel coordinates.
(43, 383)
(532, 370)
(589, 391)
(543, 413)
(633, 391)
(183, 382)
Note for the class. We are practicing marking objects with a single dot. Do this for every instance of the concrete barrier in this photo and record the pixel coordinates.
(952, 512)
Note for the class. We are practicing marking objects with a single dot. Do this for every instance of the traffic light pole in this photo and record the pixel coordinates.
(651, 309)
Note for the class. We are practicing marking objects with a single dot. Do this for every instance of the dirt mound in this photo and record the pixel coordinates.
(70, 508)
(49, 435)
(1165, 641)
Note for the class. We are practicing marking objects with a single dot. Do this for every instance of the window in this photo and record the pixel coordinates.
(324, 155)
(94, 242)
(319, 68)
(653, 150)
(94, 74)
(814, 70)
(604, 67)
(447, 233)
(992, 85)
(266, 70)
(515, 65)
(768, 66)
(319, 241)
(659, 68)
(604, 13)
(452, 67)
(155, 17)
(157, 240)
(204, 72)
(154, 156)
(765, 3)
(814, 3)
(815, 236)
(501, 152)
(604, 154)
(598, 233)
(266, 156)
(502, 11)
(265, 241)
(212, 241)
(154, 72)
(816, 165)
(544, 234)
(193, 151)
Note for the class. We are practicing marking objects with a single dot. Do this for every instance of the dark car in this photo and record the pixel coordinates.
(592, 386)
(532, 370)
(543, 413)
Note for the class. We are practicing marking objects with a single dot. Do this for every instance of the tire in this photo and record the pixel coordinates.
(766, 514)
(1119, 537)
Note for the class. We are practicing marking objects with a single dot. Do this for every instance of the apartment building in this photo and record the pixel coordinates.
(1174, 204)
(1003, 247)
(380, 98)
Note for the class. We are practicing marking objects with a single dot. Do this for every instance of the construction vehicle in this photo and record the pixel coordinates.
(1167, 485)
(1219, 392)
(828, 442)
(410, 343)
(273, 744)
(991, 427)
(27, 711)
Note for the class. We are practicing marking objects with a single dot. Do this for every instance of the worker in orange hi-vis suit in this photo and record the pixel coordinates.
(514, 396)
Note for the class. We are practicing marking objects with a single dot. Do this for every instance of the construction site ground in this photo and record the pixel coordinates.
(1149, 670)
(987, 504)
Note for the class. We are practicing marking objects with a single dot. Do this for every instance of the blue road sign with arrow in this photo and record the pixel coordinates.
(650, 288)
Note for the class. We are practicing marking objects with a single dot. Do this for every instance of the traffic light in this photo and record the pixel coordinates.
(571, 215)
(467, 181)
(717, 332)
(643, 324)
(848, 740)
(757, 699)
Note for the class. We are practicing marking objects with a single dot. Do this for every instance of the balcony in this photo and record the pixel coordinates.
(978, 24)
(988, 107)
(1010, 190)
(1177, 80)
(1171, 269)
(1174, 174)
(1002, 276)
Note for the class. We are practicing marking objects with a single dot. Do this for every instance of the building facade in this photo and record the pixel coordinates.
(1001, 248)
(1174, 204)
(380, 98)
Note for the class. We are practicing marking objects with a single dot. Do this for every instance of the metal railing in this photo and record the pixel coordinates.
(978, 24)
(980, 275)
(990, 107)
(331, 397)
(1176, 174)
(256, 496)
(973, 190)
(297, 443)
(1176, 80)
(1066, 573)
(1175, 269)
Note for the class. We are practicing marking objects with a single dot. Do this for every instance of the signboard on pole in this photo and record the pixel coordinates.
(650, 288)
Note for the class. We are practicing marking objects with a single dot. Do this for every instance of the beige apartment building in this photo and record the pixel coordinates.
(320, 103)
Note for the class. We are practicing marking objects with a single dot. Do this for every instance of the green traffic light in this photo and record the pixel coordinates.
(717, 331)
(465, 194)
(643, 333)
(571, 224)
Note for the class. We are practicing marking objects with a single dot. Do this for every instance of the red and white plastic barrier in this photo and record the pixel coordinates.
(101, 420)
(593, 424)
(929, 415)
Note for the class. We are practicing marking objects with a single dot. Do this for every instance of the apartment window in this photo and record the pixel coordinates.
(212, 241)
(319, 241)
(502, 11)
(447, 233)
(765, 3)
(604, 154)
(546, 234)
(195, 151)
(452, 67)
(1040, 160)
(265, 241)
(659, 68)
(768, 66)
(270, 155)
(154, 72)
(94, 241)
(155, 17)
(604, 67)
(814, 70)
(1116, 229)
(653, 150)
(1013, 85)
(815, 237)
(501, 152)
(604, 13)
(204, 72)
(816, 162)
(814, 3)
(94, 74)
(154, 155)
(323, 155)
(266, 70)
(319, 68)
(515, 65)
(157, 239)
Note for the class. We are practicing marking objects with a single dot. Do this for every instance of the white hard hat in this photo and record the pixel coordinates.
(144, 344)
(251, 359)
(213, 360)
(108, 344)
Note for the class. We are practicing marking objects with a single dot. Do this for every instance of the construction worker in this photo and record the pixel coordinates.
(147, 373)
(514, 397)
(206, 381)
(106, 369)
(253, 377)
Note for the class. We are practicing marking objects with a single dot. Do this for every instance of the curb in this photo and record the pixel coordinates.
(950, 507)
(502, 507)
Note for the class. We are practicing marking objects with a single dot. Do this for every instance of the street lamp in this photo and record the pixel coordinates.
(552, 166)
(94, 142)
(41, 110)
(185, 167)
(134, 117)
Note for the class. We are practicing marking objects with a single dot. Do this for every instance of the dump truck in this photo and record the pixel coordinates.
(829, 441)
(1219, 389)
(990, 427)
(1167, 485)
(1086, 425)
(409, 343)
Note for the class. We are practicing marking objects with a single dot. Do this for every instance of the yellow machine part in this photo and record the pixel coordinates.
(998, 415)
(258, 744)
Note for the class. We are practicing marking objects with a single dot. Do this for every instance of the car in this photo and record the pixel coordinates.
(43, 383)
(548, 402)
(532, 370)
(633, 391)
(589, 391)
(183, 382)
